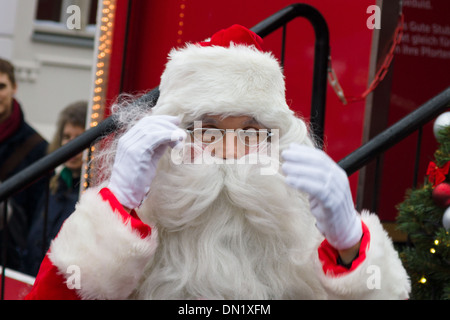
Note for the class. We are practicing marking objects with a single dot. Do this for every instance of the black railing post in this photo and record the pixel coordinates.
(4, 248)
(321, 56)
(417, 161)
(45, 216)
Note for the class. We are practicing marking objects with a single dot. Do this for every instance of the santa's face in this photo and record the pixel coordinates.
(70, 132)
(214, 139)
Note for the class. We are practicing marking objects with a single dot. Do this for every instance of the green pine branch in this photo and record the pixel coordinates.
(427, 259)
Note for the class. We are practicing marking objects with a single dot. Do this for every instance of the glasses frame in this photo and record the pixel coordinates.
(195, 133)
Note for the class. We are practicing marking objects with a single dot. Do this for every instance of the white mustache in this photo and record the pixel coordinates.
(265, 155)
(185, 191)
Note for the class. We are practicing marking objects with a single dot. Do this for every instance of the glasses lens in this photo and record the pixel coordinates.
(208, 136)
(252, 137)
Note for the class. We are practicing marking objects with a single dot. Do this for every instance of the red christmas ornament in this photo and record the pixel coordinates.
(441, 195)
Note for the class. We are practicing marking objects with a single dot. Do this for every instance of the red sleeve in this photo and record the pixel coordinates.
(328, 255)
(132, 218)
(50, 284)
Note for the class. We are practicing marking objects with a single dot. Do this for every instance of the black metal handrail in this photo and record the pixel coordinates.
(48, 163)
(264, 28)
(321, 56)
(396, 133)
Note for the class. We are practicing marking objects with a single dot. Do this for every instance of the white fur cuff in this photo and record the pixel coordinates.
(107, 254)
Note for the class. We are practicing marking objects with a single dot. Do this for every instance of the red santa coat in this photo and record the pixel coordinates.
(114, 266)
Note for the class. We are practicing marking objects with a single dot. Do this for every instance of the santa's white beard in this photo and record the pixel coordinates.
(226, 231)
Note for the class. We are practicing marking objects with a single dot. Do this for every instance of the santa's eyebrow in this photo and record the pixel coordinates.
(208, 120)
(251, 121)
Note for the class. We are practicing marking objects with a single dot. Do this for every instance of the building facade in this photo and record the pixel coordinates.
(51, 44)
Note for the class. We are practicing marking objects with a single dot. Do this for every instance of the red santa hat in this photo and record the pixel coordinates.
(236, 34)
(229, 74)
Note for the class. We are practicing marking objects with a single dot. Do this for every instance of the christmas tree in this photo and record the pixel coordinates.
(424, 217)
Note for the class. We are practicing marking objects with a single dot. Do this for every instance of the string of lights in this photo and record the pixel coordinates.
(105, 18)
(181, 17)
(433, 250)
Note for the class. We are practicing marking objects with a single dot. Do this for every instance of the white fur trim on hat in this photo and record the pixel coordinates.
(235, 80)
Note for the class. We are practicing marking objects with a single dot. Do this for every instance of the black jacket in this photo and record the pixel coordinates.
(23, 203)
(61, 204)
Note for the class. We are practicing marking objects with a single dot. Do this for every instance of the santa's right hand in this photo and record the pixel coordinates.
(138, 154)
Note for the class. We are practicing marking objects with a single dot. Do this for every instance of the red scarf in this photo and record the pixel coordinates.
(10, 125)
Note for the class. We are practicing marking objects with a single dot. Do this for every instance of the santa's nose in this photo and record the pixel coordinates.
(231, 147)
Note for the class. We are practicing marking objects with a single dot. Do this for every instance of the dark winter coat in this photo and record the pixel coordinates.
(23, 203)
(44, 229)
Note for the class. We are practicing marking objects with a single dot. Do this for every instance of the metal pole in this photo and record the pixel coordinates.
(4, 248)
(321, 56)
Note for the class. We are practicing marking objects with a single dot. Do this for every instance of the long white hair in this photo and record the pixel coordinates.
(126, 111)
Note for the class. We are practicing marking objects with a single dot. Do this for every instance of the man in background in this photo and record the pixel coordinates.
(20, 146)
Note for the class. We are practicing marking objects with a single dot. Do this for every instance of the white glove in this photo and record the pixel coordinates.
(312, 171)
(138, 153)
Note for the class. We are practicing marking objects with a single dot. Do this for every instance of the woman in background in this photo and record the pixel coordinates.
(64, 189)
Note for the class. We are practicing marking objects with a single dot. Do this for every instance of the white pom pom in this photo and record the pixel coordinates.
(441, 122)
(446, 219)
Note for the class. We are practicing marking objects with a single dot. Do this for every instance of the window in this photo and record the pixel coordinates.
(52, 18)
(49, 10)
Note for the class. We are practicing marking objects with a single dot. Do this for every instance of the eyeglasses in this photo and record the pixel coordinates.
(249, 137)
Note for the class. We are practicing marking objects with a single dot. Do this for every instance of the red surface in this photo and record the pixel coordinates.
(15, 288)
(416, 79)
(117, 55)
(157, 26)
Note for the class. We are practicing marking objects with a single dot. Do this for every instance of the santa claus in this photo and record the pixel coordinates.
(264, 215)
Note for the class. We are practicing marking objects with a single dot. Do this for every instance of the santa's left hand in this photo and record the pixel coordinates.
(312, 171)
